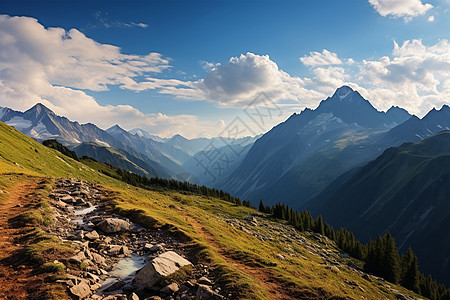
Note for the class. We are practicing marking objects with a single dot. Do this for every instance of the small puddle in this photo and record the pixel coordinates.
(78, 221)
(79, 212)
(125, 270)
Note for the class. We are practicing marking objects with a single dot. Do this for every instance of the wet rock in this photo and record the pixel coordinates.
(113, 225)
(159, 268)
(115, 286)
(170, 288)
(81, 290)
(205, 292)
(128, 287)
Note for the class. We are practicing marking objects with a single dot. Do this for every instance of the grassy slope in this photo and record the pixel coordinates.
(199, 219)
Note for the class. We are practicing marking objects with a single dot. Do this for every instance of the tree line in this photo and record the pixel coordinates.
(380, 256)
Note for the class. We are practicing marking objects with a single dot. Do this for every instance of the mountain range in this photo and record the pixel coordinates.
(368, 170)
(135, 150)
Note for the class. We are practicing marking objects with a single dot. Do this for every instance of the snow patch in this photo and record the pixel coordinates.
(439, 126)
(40, 132)
(102, 143)
(419, 136)
(19, 123)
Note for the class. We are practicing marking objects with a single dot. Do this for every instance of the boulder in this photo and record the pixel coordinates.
(113, 225)
(81, 290)
(160, 267)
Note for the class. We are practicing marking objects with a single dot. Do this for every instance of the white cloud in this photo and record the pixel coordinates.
(400, 8)
(320, 59)
(243, 78)
(431, 19)
(51, 65)
(414, 77)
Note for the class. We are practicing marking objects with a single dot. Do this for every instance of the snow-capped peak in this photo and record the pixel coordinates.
(343, 92)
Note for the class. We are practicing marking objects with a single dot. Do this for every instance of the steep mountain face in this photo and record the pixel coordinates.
(121, 159)
(286, 164)
(406, 191)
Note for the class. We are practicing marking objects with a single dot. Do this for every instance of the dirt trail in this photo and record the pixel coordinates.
(263, 277)
(15, 278)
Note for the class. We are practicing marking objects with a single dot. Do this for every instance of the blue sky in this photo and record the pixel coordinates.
(210, 59)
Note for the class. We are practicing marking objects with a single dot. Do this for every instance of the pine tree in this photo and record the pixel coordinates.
(391, 264)
(262, 208)
(410, 271)
(318, 225)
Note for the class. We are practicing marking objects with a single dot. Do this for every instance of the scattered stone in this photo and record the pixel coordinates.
(93, 235)
(160, 267)
(204, 280)
(98, 259)
(113, 225)
(156, 248)
(78, 258)
(280, 257)
(133, 296)
(81, 290)
(205, 292)
(148, 246)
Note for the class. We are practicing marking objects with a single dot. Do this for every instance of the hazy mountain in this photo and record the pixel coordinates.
(298, 157)
(121, 159)
(406, 191)
(415, 129)
(142, 133)
(166, 155)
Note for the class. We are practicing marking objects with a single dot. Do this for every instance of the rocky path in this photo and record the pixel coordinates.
(15, 277)
(110, 249)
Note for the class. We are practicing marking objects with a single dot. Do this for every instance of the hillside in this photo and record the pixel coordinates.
(404, 191)
(255, 259)
(121, 159)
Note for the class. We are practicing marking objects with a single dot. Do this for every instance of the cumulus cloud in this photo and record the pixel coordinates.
(400, 8)
(415, 77)
(320, 59)
(53, 66)
(243, 78)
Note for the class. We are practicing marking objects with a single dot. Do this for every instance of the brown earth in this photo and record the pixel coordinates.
(17, 280)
